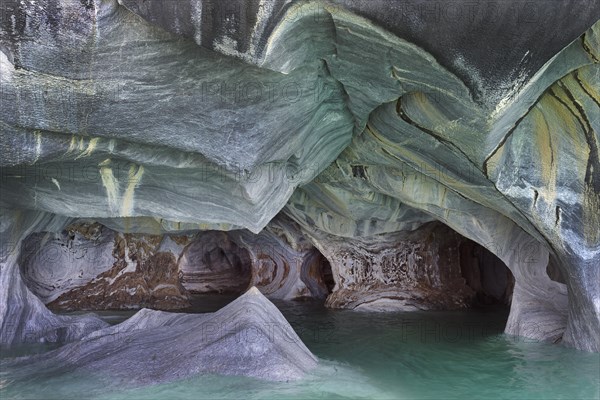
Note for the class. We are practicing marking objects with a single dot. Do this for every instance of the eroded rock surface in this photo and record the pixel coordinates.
(55, 263)
(90, 267)
(285, 265)
(212, 263)
(152, 283)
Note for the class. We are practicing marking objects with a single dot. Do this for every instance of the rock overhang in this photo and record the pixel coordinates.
(399, 134)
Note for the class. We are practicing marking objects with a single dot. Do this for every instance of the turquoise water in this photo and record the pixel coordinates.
(433, 355)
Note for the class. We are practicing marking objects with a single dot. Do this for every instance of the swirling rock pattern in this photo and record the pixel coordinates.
(352, 118)
(23, 317)
(153, 283)
(285, 265)
(279, 261)
(91, 267)
(55, 263)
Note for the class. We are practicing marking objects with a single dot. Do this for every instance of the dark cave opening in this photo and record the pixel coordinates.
(486, 275)
(213, 263)
(91, 267)
(327, 274)
(554, 272)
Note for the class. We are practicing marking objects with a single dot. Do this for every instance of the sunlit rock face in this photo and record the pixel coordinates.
(353, 119)
(219, 165)
(248, 337)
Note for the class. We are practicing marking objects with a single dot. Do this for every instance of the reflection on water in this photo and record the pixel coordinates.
(433, 355)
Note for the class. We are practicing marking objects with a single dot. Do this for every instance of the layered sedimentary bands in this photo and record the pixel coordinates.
(376, 155)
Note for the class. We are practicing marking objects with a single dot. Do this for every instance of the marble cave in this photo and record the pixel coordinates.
(299, 199)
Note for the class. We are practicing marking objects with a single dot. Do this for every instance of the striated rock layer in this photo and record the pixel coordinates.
(154, 283)
(285, 265)
(212, 263)
(360, 121)
(55, 263)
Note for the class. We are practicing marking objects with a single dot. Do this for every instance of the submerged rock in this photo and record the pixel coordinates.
(248, 337)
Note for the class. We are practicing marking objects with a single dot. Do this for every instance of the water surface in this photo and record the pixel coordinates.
(426, 355)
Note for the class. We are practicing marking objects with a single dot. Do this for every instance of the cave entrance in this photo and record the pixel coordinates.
(317, 275)
(214, 264)
(431, 267)
(326, 273)
(486, 275)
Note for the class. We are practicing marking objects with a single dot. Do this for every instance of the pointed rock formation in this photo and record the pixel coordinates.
(248, 337)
